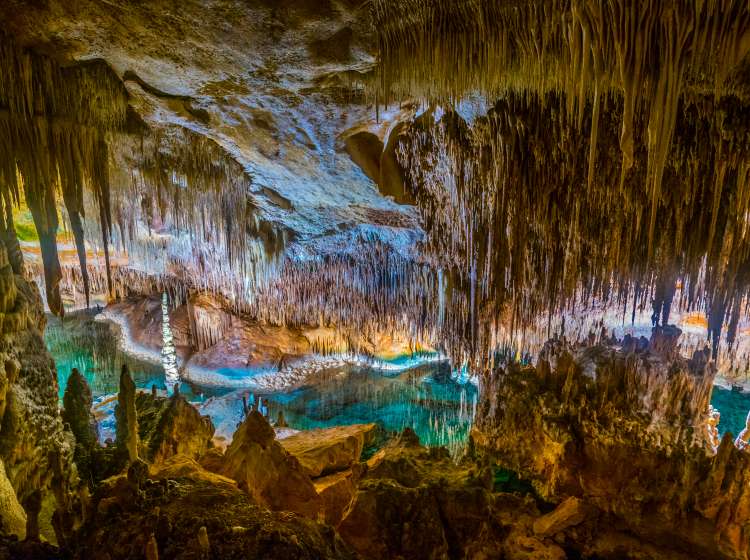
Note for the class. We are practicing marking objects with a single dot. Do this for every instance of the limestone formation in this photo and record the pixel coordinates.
(127, 417)
(181, 510)
(268, 473)
(623, 430)
(171, 426)
(499, 181)
(77, 404)
(324, 451)
(12, 514)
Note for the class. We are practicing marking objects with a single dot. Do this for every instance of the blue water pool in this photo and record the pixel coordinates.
(426, 398)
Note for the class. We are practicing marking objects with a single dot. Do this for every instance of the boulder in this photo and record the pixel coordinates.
(267, 472)
(570, 512)
(180, 466)
(325, 451)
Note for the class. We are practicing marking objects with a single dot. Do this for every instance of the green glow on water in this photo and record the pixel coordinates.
(92, 346)
(425, 398)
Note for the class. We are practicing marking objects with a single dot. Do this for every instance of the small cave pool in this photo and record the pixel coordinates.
(430, 398)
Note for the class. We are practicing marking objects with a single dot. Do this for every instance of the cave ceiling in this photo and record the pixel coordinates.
(534, 156)
(273, 84)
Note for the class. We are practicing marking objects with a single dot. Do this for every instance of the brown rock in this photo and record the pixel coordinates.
(180, 466)
(12, 514)
(387, 520)
(329, 450)
(523, 547)
(126, 416)
(213, 460)
(179, 430)
(570, 512)
(267, 472)
(337, 491)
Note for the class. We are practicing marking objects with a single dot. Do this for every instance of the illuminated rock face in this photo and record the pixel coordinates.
(623, 429)
(35, 448)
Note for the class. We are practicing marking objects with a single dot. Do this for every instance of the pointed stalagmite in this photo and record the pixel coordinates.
(126, 417)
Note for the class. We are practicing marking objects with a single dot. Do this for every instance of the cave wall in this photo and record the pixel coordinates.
(36, 449)
(622, 425)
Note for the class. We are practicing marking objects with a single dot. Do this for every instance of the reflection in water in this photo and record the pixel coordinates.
(92, 346)
(427, 398)
(439, 409)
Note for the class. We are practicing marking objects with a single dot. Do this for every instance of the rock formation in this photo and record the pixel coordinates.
(268, 473)
(127, 417)
(171, 426)
(329, 450)
(499, 180)
(35, 448)
(77, 403)
(182, 513)
(623, 429)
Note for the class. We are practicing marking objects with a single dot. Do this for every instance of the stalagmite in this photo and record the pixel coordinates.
(126, 417)
(77, 404)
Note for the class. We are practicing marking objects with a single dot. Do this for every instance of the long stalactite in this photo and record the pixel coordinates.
(53, 122)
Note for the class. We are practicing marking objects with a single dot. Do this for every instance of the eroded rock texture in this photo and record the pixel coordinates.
(35, 449)
(268, 473)
(621, 426)
(191, 513)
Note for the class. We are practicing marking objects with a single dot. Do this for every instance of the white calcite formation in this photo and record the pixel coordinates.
(168, 354)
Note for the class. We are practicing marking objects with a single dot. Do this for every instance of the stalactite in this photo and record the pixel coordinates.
(646, 52)
(505, 216)
(53, 121)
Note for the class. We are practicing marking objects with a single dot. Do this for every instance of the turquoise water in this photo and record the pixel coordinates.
(425, 398)
(93, 347)
(733, 406)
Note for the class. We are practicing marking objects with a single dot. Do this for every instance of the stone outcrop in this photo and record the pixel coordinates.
(570, 512)
(184, 511)
(622, 427)
(171, 426)
(36, 450)
(324, 451)
(415, 502)
(77, 404)
(268, 473)
(337, 491)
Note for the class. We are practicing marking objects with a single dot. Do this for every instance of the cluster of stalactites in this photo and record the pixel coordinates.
(648, 51)
(184, 204)
(523, 232)
(53, 126)
(377, 291)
